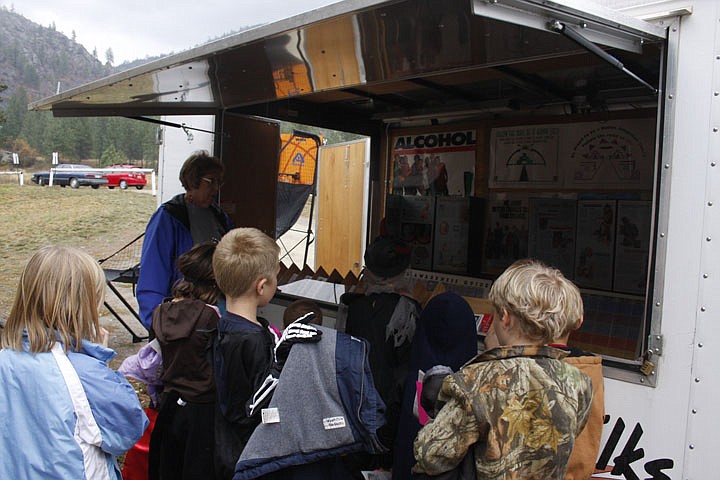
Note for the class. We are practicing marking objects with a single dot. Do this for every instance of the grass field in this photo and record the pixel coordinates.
(96, 221)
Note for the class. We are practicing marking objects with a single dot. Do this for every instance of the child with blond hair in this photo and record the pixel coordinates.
(515, 410)
(247, 354)
(65, 413)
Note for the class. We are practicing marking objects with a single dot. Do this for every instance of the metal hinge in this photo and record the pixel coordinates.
(655, 344)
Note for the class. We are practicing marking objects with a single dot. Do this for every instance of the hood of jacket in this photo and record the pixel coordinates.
(445, 334)
(177, 320)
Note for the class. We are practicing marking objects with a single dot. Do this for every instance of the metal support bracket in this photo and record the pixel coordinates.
(655, 344)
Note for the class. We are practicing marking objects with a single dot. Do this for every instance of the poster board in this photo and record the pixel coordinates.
(452, 217)
(434, 163)
(595, 243)
(411, 218)
(632, 246)
(552, 232)
(577, 156)
(525, 156)
(506, 239)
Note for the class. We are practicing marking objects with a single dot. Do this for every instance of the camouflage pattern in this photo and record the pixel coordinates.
(521, 407)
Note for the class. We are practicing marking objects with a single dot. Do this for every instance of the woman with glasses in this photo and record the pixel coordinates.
(185, 220)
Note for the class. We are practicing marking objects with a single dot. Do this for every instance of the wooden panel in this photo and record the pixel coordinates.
(250, 149)
(331, 50)
(340, 208)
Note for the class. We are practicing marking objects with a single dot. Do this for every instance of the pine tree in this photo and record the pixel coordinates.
(109, 57)
(2, 115)
(14, 115)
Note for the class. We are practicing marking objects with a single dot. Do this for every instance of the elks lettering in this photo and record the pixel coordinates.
(436, 140)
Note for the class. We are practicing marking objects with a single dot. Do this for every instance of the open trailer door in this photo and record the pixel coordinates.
(342, 207)
(250, 153)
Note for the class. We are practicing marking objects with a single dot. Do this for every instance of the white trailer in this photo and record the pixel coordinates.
(422, 69)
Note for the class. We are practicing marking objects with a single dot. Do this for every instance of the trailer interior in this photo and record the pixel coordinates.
(557, 106)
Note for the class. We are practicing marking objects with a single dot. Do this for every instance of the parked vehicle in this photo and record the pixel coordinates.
(124, 178)
(71, 174)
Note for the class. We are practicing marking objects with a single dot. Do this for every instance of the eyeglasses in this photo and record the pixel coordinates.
(212, 181)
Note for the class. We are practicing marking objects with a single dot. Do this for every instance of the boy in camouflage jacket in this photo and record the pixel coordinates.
(516, 408)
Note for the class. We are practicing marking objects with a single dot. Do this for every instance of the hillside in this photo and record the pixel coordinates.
(37, 58)
(36, 61)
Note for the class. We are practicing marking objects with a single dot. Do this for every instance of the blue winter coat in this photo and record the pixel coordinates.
(167, 236)
(37, 434)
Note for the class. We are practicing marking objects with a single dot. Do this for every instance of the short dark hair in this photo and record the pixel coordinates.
(198, 165)
(300, 307)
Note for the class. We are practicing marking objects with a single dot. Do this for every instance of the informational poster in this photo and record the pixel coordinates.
(506, 239)
(616, 154)
(524, 156)
(551, 235)
(434, 163)
(451, 234)
(595, 243)
(412, 218)
(632, 247)
(580, 156)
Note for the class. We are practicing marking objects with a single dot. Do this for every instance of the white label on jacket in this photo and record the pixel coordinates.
(270, 415)
(332, 423)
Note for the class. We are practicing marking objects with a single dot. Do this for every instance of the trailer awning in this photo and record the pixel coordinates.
(359, 62)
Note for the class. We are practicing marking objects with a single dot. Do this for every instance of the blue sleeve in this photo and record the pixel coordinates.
(228, 221)
(114, 404)
(157, 264)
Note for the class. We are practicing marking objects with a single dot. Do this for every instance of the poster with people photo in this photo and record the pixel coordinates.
(440, 163)
(595, 243)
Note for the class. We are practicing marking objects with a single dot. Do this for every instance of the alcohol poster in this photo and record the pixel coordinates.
(551, 235)
(434, 163)
(506, 239)
(633, 247)
(524, 156)
(452, 226)
(595, 243)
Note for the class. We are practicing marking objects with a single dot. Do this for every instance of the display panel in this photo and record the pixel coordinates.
(575, 195)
